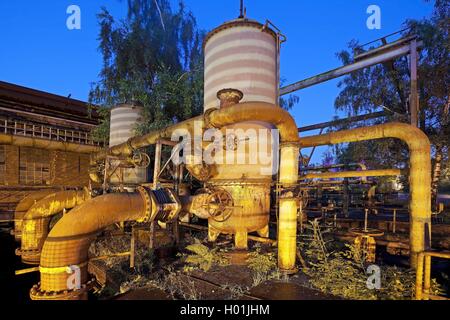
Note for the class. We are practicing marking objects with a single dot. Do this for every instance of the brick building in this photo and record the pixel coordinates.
(29, 121)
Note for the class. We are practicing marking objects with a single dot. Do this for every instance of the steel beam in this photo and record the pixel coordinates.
(390, 52)
(343, 121)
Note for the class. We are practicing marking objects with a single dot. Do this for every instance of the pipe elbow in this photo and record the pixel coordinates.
(256, 111)
(36, 221)
(68, 242)
(415, 138)
(56, 202)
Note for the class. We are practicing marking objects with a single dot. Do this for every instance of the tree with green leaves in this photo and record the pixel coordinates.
(387, 86)
(153, 56)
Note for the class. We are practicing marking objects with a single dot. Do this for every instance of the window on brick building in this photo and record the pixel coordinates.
(34, 167)
(2, 165)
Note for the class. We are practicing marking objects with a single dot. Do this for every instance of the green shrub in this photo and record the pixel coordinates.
(203, 257)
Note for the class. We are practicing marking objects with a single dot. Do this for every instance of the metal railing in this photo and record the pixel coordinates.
(46, 132)
(423, 275)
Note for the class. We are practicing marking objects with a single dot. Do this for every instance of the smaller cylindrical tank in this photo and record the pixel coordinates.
(124, 119)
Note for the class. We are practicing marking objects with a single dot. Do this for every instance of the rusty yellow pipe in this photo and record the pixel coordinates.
(420, 171)
(33, 142)
(23, 206)
(363, 168)
(419, 276)
(68, 242)
(353, 174)
(289, 158)
(126, 149)
(248, 111)
(36, 220)
(289, 161)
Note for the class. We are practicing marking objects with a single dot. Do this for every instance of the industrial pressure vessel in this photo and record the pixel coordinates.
(123, 122)
(241, 54)
(241, 62)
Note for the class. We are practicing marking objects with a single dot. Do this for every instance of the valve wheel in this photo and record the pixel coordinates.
(231, 142)
(141, 160)
(220, 205)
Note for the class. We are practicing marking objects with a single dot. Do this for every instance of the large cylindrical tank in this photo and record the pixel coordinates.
(123, 122)
(241, 54)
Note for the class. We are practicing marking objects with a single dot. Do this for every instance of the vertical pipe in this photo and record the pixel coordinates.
(241, 10)
(152, 235)
(427, 277)
(157, 166)
(414, 99)
(346, 203)
(287, 226)
(176, 231)
(420, 172)
(105, 176)
(132, 248)
(366, 217)
(394, 226)
(288, 173)
(419, 276)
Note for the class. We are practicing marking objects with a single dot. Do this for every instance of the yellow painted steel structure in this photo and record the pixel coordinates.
(68, 242)
(243, 55)
(419, 177)
(33, 142)
(289, 159)
(423, 275)
(36, 220)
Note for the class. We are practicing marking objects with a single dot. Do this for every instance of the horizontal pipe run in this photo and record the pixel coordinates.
(387, 55)
(32, 142)
(26, 271)
(126, 148)
(353, 174)
(248, 111)
(419, 177)
(256, 111)
(352, 120)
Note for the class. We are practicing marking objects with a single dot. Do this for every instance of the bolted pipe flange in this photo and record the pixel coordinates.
(32, 256)
(36, 293)
(229, 97)
(149, 203)
(206, 118)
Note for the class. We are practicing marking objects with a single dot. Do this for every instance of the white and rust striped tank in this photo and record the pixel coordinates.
(241, 54)
(124, 118)
(123, 121)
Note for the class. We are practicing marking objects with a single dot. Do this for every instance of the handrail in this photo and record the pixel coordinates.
(20, 128)
(423, 275)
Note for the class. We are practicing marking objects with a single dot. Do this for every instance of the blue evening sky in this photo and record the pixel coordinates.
(38, 51)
